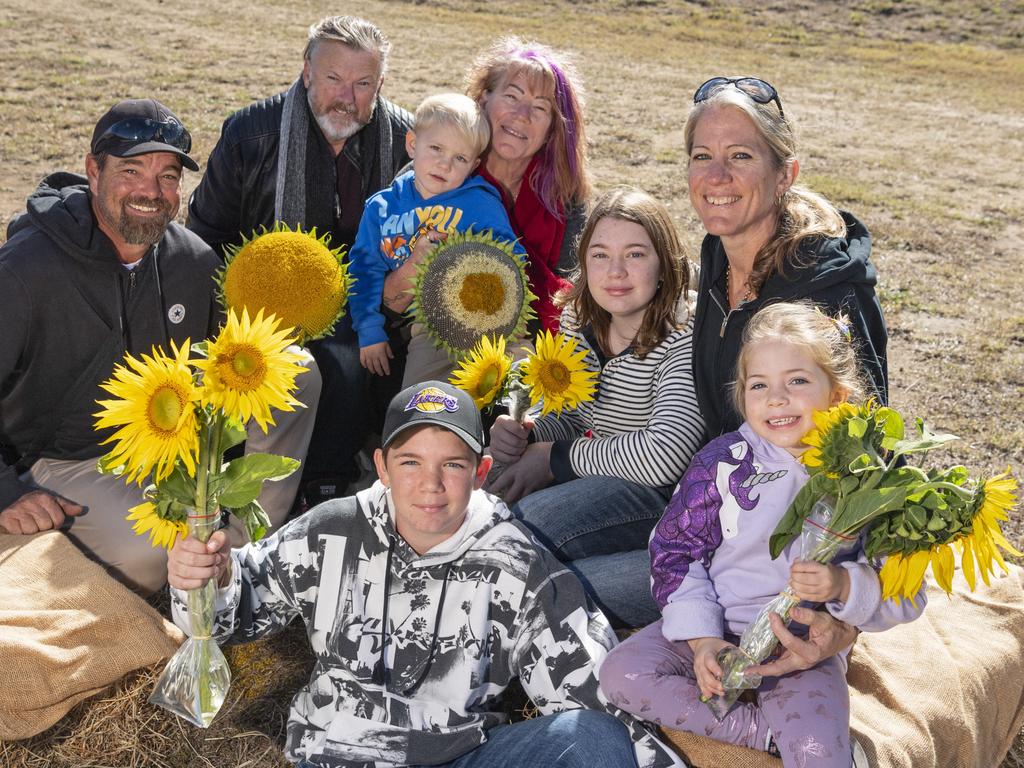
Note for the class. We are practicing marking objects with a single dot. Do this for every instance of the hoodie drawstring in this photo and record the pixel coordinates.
(380, 668)
(381, 673)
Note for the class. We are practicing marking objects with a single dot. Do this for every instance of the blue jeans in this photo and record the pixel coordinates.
(580, 738)
(599, 526)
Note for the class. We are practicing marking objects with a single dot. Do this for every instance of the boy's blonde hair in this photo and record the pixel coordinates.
(827, 340)
(459, 112)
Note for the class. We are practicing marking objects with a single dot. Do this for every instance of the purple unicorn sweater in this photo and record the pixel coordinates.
(711, 571)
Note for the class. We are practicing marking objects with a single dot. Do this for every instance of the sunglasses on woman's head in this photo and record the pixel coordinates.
(757, 89)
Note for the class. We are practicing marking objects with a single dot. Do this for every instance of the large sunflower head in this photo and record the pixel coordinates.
(155, 412)
(982, 541)
(927, 532)
(163, 532)
(468, 287)
(248, 369)
(482, 374)
(291, 274)
(557, 374)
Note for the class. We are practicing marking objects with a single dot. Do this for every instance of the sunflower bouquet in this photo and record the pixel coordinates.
(860, 488)
(554, 375)
(174, 417)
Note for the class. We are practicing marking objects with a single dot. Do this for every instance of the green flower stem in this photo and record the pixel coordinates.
(200, 526)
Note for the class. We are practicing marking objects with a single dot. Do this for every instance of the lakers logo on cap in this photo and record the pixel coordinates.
(432, 400)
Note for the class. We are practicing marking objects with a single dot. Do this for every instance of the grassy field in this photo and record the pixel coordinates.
(910, 114)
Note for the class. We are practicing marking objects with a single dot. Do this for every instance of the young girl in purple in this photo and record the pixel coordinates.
(712, 573)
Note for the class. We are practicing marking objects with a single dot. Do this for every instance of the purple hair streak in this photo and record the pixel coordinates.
(544, 174)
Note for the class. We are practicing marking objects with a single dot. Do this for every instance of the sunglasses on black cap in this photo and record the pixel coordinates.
(757, 89)
(140, 129)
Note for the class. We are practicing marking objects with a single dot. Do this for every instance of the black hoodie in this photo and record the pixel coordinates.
(835, 274)
(68, 312)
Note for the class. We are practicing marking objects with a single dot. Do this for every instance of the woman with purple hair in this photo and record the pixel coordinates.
(537, 158)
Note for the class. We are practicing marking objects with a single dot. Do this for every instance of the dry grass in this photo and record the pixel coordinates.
(121, 729)
(909, 111)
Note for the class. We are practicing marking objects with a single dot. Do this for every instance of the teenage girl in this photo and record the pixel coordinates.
(592, 482)
(711, 569)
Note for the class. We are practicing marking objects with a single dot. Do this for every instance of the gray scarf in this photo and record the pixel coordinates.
(290, 203)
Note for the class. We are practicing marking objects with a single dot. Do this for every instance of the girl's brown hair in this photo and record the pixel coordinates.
(635, 205)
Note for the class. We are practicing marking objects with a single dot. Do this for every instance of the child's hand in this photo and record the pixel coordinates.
(819, 583)
(375, 358)
(706, 666)
(426, 240)
(509, 439)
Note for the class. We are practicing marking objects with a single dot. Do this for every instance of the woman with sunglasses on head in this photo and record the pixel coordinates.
(769, 239)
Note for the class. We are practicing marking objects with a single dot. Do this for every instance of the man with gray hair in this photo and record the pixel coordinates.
(311, 156)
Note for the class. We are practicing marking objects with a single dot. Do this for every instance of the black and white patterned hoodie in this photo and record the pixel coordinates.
(414, 651)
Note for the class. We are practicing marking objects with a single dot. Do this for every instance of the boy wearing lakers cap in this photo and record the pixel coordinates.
(423, 599)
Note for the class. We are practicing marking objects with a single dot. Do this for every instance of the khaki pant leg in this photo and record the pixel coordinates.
(424, 361)
(288, 437)
(101, 532)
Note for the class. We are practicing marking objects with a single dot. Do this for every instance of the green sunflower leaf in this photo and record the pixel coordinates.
(242, 479)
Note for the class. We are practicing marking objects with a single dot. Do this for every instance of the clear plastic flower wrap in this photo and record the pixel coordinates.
(818, 543)
(196, 679)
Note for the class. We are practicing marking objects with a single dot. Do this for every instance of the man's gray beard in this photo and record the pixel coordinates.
(334, 135)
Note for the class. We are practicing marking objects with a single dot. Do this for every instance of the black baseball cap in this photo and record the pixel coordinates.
(140, 126)
(437, 403)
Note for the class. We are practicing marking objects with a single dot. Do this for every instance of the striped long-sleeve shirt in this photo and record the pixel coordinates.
(644, 423)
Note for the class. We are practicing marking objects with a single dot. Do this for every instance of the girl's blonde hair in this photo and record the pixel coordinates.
(635, 205)
(801, 214)
(827, 341)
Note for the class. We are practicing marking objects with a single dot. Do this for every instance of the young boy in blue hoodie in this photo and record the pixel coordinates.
(400, 224)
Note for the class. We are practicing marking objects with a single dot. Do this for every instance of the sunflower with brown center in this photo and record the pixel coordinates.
(249, 370)
(155, 410)
(557, 374)
(470, 286)
(483, 373)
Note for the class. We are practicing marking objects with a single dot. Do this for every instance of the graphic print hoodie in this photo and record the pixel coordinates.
(414, 651)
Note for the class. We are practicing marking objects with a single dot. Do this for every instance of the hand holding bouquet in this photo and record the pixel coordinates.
(553, 375)
(911, 516)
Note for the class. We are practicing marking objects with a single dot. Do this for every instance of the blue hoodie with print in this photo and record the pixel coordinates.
(394, 219)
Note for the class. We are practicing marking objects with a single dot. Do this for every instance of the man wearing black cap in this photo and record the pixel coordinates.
(95, 268)
(423, 599)
(311, 156)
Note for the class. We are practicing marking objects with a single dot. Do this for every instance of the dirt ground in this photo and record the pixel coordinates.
(910, 114)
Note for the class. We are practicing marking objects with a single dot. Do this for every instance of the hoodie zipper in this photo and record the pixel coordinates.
(726, 313)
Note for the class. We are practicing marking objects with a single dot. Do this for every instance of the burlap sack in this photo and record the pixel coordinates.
(946, 690)
(67, 631)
